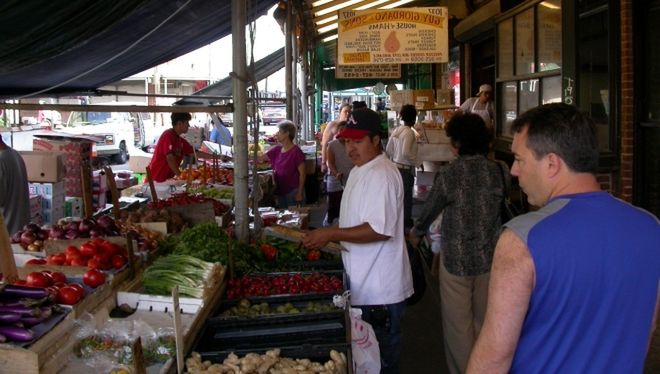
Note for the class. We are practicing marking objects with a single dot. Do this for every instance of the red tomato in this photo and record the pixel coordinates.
(93, 278)
(36, 261)
(104, 259)
(59, 284)
(93, 263)
(38, 279)
(71, 251)
(78, 288)
(68, 295)
(56, 259)
(88, 249)
(58, 276)
(79, 261)
(118, 261)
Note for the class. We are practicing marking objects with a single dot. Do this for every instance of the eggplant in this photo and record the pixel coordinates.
(46, 313)
(22, 291)
(22, 310)
(9, 318)
(16, 334)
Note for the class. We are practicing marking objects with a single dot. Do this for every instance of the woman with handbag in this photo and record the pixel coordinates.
(468, 192)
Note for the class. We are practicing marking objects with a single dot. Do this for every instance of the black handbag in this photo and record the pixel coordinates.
(507, 210)
(417, 267)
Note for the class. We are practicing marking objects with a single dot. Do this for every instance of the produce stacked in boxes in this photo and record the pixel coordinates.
(23, 307)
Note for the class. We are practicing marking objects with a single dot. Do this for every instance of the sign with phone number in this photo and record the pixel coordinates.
(394, 36)
(381, 71)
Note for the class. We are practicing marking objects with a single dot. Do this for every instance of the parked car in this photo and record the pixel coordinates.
(116, 131)
(271, 115)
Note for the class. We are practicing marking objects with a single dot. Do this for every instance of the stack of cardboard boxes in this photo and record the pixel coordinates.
(99, 189)
(54, 175)
(52, 200)
(76, 151)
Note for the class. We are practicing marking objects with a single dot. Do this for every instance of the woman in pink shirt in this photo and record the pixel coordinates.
(288, 162)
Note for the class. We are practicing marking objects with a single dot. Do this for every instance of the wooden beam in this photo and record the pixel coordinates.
(120, 108)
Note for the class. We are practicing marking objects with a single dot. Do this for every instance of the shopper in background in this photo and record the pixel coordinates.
(329, 133)
(14, 193)
(220, 134)
(468, 192)
(575, 285)
(402, 150)
(288, 162)
(339, 167)
(371, 229)
(481, 105)
(171, 149)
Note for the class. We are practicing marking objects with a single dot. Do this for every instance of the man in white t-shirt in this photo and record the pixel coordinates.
(371, 229)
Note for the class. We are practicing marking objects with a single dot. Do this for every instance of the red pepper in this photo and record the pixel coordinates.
(313, 255)
(269, 252)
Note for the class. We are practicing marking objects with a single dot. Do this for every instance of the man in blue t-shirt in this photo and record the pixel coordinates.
(220, 134)
(574, 285)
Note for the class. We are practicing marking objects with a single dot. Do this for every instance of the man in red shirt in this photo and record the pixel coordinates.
(171, 148)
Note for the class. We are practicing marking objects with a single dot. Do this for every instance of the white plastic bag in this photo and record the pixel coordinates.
(366, 353)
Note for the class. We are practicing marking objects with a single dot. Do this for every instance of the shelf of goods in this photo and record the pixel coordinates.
(290, 325)
(280, 318)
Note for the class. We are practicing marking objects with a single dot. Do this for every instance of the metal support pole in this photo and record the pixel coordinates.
(288, 57)
(304, 100)
(239, 20)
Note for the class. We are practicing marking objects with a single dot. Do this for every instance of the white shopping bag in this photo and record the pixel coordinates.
(366, 353)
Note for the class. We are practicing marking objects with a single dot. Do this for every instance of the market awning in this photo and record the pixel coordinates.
(263, 68)
(63, 47)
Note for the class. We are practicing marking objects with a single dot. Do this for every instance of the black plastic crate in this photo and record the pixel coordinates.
(297, 301)
(274, 333)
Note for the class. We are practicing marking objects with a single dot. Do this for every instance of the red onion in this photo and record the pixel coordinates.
(86, 225)
(28, 237)
(72, 234)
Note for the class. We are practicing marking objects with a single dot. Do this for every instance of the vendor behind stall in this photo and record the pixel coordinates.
(171, 149)
(14, 195)
(288, 162)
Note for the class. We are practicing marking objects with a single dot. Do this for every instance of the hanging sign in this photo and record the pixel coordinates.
(386, 71)
(393, 36)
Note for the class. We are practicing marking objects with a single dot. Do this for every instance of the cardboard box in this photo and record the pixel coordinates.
(138, 164)
(73, 206)
(51, 216)
(424, 99)
(76, 151)
(46, 189)
(35, 204)
(43, 166)
(445, 97)
(400, 98)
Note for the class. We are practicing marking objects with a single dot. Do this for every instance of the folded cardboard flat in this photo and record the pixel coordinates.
(44, 166)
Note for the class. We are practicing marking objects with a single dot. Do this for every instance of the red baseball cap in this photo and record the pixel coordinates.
(362, 122)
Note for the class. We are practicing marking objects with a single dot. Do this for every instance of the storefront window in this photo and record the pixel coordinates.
(505, 49)
(529, 94)
(594, 69)
(525, 42)
(509, 106)
(529, 61)
(551, 90)
(549, 35)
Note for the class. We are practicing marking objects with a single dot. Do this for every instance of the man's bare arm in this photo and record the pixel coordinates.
(512, 280)
(171, 162)
(357, 234)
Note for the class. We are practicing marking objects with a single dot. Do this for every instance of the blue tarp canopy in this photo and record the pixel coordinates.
(67, 47)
